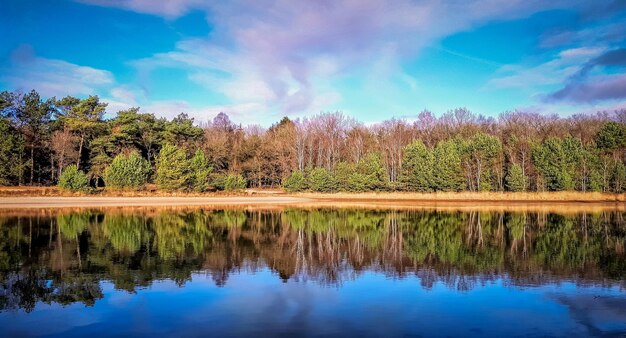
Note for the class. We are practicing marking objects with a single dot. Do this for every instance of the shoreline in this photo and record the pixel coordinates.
(560, 202)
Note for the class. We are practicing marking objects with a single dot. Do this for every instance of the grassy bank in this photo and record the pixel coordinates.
(466, 196)
(558, 196)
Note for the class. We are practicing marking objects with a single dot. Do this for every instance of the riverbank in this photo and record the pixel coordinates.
(560, 202)
(7, 193)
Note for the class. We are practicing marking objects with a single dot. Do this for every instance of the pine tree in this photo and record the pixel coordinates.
(172, 168)
(295, 182)
(127, 172)
(515, 179)
(447, 171)
(321, 180)
(200, 172)
(417, 168)
(73, 179)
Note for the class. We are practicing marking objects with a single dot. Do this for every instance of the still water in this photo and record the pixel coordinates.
(312, 272)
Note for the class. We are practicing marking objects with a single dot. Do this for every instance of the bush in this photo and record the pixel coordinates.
(515, 179)
(235, 182)
(127, 172)
(321, 180)
(295, 182)
(73, 179)
(172, 168)
(200, 172)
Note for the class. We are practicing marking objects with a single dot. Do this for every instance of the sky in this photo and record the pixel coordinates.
(373, 60)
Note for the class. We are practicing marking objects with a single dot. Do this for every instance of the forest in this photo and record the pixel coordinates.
(70, 143)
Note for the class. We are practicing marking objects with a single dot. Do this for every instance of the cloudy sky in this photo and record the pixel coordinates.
(372, 59)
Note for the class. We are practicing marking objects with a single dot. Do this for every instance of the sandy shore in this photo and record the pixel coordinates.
(96, 201)
(14, 204)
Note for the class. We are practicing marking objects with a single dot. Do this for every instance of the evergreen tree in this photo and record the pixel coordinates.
(171, 168)
(371, 167)
(551, 160)
(295, 182)
(342, 173)
(235, 182)
(447, 171)
(417, 167)
(11, 148)
(200, 172)
(73, 179)
(321, 180)
(515, 179)
(127, 172)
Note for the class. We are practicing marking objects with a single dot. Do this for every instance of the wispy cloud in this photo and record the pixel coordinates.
(50, 77)
(284, 55)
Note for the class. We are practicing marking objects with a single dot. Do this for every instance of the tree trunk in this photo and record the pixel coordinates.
(32, 162)
(80, 150)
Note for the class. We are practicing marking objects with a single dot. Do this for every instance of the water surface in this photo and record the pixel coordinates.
(312, 272)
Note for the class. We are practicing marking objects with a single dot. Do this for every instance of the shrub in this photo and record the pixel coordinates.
(321, 180)
(73, 179)
(172, 168)
(235, 182)
(295, 182)
(127, 172)
(200, 172)
(515, 179)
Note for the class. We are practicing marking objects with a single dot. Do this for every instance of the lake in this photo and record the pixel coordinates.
(312, 272)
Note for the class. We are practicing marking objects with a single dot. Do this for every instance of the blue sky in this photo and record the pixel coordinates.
(372, 59)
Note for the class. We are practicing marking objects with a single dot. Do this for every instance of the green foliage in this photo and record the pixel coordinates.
(447, 170)
(619, 177)
(295, 182)
(417, 167)
(482, 153)
(515, 178)
(200, 172)
(555, 160)
(73, 179)
(172, 168)
(11, 146)
(321, 180)
(611, 136)
(181, 131)
(342, 173)
(373, 172)
(127, 172)
(235, 182)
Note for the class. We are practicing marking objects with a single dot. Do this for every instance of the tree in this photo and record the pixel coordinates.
(515, 179)
(235, 182)
(181, 131)
(84, 119)
(551, 160)
(199, 172)
(295, 182)
(11, 148)
(171, 168)
(321, 180)
(447, 171)
(372, 168)
(127, 171)
(33, 115)
(611, 136)
(417, 167)
(481, 155)
(73, 179)
(343, 171)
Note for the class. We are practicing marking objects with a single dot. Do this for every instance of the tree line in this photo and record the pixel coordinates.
(69, 142)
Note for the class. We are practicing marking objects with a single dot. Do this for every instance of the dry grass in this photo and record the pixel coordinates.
(560, 196)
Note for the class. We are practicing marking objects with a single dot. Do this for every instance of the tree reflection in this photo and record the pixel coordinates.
(65, 257)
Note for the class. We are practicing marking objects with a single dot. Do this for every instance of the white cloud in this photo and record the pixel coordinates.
(51, 77)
